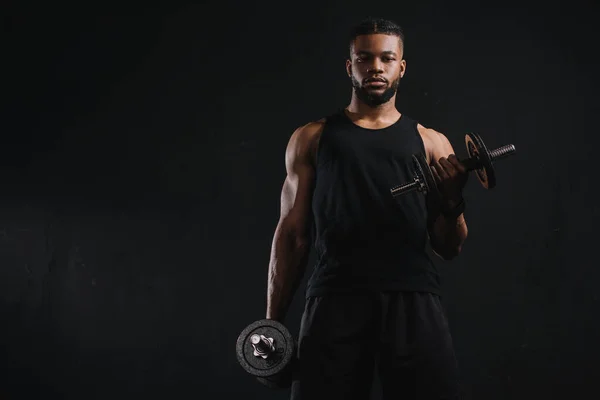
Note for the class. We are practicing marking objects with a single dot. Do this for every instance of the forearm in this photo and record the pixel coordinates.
(448, 235)
(289, 257)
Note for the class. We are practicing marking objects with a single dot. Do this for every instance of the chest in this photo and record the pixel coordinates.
(369, 148)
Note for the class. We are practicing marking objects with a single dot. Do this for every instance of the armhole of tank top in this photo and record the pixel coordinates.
(419, 138)
(327, 120)
(319, 144)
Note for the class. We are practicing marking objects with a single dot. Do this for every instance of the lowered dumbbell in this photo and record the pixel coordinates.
(266, 350)
(480, 160)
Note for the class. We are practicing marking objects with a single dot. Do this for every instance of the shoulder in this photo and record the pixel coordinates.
(310, 129)
(432, 136)
(305, 138)
(436, 143)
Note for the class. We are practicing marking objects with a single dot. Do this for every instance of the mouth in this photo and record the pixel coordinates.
(375, 82)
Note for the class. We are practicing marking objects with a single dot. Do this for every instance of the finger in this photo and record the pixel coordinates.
(447, 166)
(436, 176)
(456, 163)
(445, 162)
(441, 172)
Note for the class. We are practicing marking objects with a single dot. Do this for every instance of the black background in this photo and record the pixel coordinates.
(142, 162)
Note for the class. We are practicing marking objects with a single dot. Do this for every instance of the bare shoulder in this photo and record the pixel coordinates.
(436, 143)
(310, 131)
(304, 141)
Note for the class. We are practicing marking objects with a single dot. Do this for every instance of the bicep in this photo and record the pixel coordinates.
(440, 146)
(296, 194)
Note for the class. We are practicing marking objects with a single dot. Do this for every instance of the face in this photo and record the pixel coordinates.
(375, 67)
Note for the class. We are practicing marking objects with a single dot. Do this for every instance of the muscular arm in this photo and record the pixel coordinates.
(447, 234)
(291, 246)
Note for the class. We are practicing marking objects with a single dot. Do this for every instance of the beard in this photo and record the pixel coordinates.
(374, 99)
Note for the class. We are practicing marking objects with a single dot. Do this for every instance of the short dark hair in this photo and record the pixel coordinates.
(372, 25)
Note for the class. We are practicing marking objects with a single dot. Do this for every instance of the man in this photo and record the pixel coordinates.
(373, 299)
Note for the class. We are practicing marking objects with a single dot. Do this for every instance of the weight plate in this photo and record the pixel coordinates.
(276, 361)
(424, 173)
(476, 149)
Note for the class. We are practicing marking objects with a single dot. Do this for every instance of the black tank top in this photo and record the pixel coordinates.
(365, 239)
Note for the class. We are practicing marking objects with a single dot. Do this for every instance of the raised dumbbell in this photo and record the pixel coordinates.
(480, 160)
(266, 350)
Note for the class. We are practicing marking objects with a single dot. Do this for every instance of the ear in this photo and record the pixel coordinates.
(402, 68)
(349, 67)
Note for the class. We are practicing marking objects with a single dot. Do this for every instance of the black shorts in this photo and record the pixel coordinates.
(403, 336)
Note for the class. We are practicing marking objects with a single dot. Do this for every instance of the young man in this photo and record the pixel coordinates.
(373, 297)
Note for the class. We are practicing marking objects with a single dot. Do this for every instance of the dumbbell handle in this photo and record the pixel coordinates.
(406, 187)
(470, 163)
(473, 163)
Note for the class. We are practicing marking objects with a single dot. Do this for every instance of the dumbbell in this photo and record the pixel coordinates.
(266, 350)
(480, 160)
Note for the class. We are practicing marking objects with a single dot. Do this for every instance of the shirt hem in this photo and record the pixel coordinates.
(323, 290)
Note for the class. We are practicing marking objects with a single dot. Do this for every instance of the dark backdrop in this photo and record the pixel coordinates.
(142, 161)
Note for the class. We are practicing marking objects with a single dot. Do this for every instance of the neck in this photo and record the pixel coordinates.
(381, 112)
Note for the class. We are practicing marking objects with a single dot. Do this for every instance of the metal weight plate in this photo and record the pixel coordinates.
(424, 173)
(277, 360)
(476, 149)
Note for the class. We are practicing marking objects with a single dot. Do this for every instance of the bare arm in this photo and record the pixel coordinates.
(291, 246)
(447, 234)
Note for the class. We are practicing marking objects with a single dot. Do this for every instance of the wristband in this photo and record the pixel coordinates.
(453, 212)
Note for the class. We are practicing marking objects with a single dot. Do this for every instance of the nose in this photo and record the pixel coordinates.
(375, 67)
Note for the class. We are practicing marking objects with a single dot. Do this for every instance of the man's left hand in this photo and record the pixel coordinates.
(451, 177)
